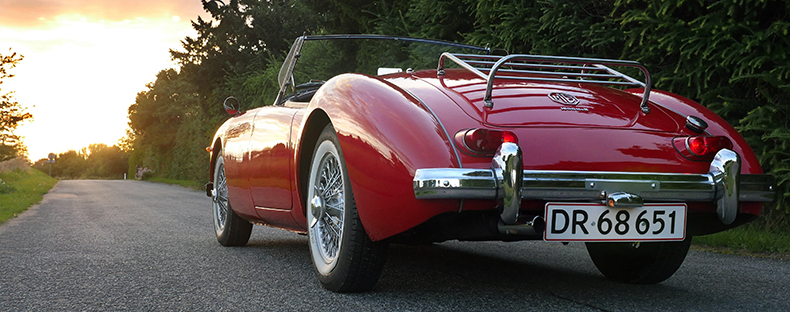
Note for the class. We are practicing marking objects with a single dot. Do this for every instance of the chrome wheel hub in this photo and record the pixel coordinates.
(317, 207)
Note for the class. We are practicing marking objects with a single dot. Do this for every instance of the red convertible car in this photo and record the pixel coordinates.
(488, 146)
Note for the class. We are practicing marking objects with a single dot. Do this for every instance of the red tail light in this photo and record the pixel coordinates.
(508, 136)
(484, 141)
(707, 146)
(704, 147)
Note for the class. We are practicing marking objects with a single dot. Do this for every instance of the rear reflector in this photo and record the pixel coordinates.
(484, 141)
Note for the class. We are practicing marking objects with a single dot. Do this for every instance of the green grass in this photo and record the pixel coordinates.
(185, 183)
(23, 188)
(748, 240)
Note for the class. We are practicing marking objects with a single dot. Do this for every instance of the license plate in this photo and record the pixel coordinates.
(588, 222)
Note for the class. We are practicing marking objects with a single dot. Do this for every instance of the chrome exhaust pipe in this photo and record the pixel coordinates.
(532, 228)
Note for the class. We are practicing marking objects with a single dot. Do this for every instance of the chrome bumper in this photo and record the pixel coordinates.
(506, 180)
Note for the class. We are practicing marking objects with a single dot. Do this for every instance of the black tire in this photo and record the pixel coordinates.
(344, 257)
(231, 230)
(639, 263)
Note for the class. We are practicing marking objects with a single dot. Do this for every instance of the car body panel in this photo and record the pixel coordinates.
(527, 104)
(390, 126)
(385, 135)
(270, 158)
(716, 125)
(235, 150)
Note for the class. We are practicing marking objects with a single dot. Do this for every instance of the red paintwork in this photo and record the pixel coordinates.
(270, 161)
(716, 125)
(526, 104)
(386, 132)
(235, 152)
(385, 136)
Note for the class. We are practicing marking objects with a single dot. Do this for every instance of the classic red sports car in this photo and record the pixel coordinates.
(486, 147)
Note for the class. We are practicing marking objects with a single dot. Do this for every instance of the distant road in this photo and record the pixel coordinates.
(139, 246)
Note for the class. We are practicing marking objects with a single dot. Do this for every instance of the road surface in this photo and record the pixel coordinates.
(140, 246)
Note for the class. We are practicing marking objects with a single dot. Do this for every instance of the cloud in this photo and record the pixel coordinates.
(33, 13)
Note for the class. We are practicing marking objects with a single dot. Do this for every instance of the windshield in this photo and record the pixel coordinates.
(315, 59)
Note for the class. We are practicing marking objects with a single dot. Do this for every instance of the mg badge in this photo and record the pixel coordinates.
(563, 98)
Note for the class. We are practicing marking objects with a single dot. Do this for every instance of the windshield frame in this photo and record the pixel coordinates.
(285, 76)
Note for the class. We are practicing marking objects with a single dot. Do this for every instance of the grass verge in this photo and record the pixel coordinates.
(185, 183)
(24, 188)
(747, 240)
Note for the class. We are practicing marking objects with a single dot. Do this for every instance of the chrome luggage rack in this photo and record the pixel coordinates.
(548, 69)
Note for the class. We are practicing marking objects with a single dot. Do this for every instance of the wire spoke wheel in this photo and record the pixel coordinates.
(231, 230)
(220, 199)
(344, 257)
(329, 227)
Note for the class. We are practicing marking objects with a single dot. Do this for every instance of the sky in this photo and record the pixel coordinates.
(84, 63)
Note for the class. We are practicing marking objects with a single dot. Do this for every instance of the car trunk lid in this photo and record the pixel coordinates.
(518, 103)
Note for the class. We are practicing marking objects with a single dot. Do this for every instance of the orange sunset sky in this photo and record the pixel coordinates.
(85, 61)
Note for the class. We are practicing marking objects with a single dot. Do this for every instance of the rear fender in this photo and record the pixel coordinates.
(216, 149)
(716, 125)
(385, 134)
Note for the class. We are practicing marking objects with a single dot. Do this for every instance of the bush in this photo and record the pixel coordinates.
(14, 164)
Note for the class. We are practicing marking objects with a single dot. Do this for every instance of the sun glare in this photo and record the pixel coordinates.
(79, 76)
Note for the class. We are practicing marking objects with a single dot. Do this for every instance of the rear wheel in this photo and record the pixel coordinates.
(639, 263)
(344, 257)
(231, 229)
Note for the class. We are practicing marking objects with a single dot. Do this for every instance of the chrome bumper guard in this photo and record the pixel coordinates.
(506, 180)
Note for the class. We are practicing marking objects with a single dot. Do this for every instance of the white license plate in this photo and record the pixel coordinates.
(588, 222)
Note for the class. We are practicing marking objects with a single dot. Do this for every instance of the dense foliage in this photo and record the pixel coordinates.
(11, 113)
(731, 56)
(95, 161)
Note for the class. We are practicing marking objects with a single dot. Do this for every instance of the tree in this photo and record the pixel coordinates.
(11, 112)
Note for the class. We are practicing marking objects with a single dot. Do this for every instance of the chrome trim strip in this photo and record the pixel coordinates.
(590, 186)
(449, 138)
(562, 185)
(568, 185)
(441, 124)
(271, 209)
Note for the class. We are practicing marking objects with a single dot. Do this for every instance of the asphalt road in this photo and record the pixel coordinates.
(128, 245)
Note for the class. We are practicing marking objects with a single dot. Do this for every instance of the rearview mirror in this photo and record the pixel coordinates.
(231, 105)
